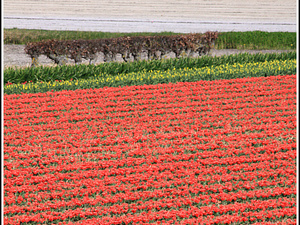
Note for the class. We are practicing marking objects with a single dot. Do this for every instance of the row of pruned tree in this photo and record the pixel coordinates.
(60, 51)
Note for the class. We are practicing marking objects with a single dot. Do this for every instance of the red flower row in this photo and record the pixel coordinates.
(155, 153)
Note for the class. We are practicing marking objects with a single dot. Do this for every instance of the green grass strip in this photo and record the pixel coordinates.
(23, 36)
(226, 40)
(226, 71)
(45, 74)
(257, 40)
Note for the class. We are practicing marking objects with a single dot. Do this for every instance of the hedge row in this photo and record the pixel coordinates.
(60, 51)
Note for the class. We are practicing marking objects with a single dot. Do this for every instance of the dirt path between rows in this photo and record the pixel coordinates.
(14, 55)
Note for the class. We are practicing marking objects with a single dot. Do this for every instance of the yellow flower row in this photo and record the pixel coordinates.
(226, 71)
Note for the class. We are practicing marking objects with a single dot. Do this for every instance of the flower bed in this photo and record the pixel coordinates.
(187, 153)
(224, 71)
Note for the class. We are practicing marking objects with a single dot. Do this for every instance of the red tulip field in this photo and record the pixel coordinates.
(205, 152)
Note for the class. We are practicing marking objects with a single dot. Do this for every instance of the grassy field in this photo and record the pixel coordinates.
(227, 40)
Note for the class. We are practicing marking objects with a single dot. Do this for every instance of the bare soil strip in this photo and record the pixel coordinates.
(152, 16)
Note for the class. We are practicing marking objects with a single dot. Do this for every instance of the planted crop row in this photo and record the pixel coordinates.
(45, 74)
(227, 71)
(206, 152)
